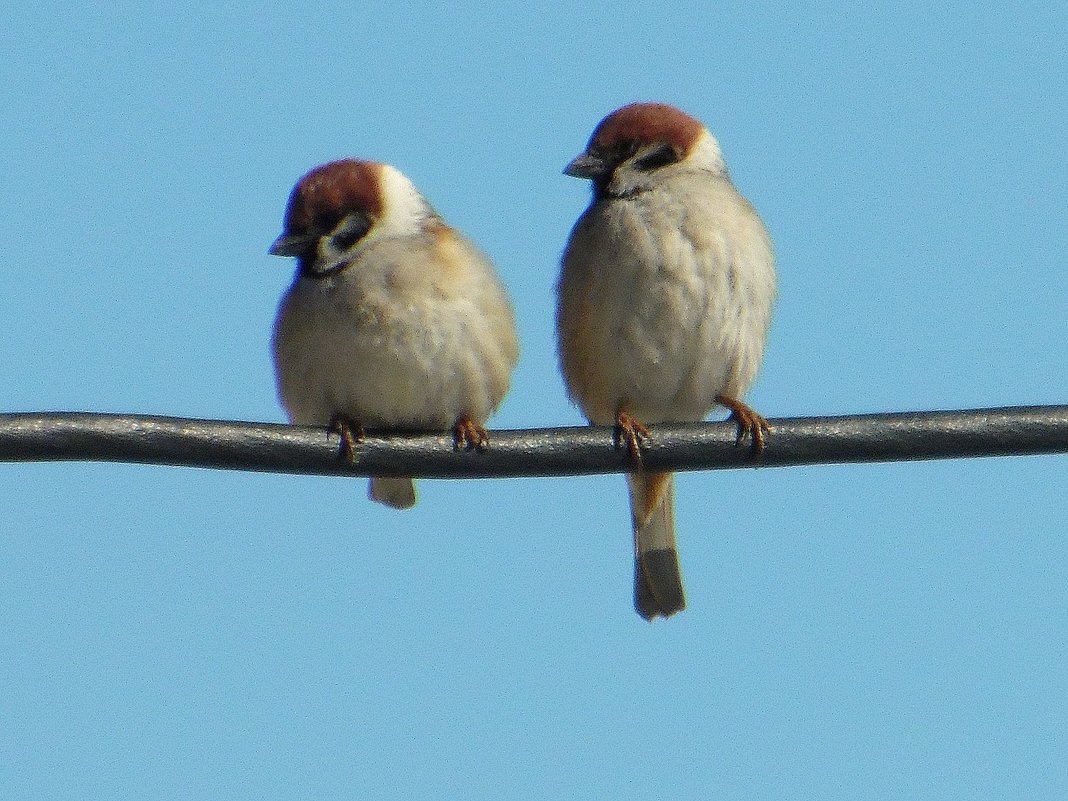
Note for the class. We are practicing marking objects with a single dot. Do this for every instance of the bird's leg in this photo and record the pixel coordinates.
(468, 434)
(750, 423)
(631, 432)
(351, 433)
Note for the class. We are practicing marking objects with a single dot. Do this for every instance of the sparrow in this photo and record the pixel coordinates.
(664, 301)
(394, 320)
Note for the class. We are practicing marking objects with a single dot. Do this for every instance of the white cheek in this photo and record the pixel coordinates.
(404, 208)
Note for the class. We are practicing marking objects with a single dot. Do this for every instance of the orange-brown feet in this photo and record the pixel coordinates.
(468, 434)
(750, 423)
(631, 432)
(351, 434)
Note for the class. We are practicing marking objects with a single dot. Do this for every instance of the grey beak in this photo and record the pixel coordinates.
(587, 166)
(291, 245)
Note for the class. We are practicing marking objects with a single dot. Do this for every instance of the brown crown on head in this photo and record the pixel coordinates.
(647, 122)
(329, 192)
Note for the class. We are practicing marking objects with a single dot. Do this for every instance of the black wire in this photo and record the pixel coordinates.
(81, 436)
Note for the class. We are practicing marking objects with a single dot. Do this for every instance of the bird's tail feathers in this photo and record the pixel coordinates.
(396, 492)
(658, 586)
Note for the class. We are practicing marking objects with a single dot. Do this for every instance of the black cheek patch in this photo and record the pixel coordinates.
(663, 155)
(352, 231)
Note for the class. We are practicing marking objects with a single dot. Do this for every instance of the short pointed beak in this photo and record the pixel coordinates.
(291, 245)
(587, 166)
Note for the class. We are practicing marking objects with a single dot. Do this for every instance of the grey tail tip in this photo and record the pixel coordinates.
(658, 588)
(398, 493)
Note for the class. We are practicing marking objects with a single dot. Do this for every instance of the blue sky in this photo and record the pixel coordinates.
(854, 632)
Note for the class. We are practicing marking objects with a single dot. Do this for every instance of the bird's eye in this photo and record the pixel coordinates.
(350, 230)
(660, 155)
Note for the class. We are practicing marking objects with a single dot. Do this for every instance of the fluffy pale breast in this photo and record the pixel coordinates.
(664, 302)
(412, 334)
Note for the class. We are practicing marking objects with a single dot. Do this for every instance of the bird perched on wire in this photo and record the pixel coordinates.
(394, 320)
(665, 298)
